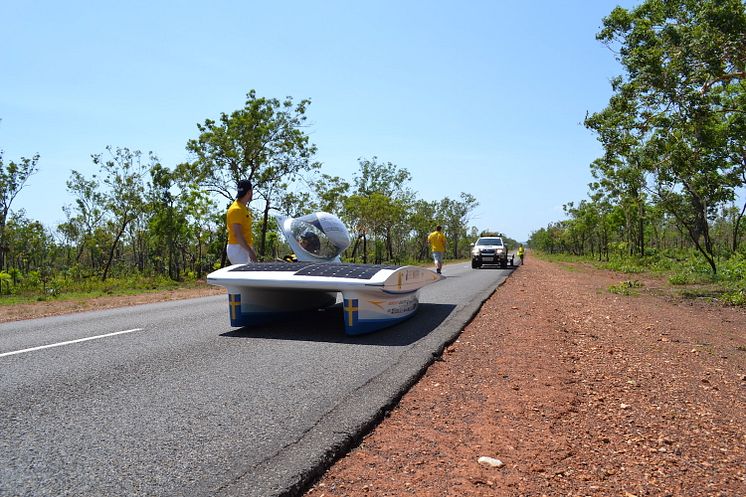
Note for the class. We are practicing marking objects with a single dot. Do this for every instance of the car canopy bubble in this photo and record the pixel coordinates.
(315, 237)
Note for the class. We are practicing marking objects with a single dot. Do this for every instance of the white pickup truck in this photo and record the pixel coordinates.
(489, 250)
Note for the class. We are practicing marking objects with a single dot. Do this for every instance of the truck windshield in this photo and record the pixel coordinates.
(489, 241)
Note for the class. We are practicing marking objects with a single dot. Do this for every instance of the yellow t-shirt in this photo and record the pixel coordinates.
(239, 214)
(437, 241)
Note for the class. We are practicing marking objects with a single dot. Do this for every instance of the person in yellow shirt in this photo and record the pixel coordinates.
(240, 248)
(521, 252)
(437, 241)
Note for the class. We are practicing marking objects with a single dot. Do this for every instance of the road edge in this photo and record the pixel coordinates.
(291, 472)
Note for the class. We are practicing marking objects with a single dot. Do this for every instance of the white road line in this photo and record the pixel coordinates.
(68, 343)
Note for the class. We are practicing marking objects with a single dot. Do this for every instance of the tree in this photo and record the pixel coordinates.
(330, 192)
(375, 215)
(123, 173)
(87, 213)
(456, 215)
(30, 246)
(166, 223)
(385, 178)
(205, 221)
(620, 173)
(378, 204)
(735, 99)
(263, 142)
(420, 221)
(685, 64)
(13, 178)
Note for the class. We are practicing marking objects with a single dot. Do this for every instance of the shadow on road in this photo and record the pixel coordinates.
(327, 326)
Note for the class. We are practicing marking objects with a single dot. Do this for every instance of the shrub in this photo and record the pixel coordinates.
(681, 279)
(735, 297)
(626, 287)
(733, 269)
(5, 281)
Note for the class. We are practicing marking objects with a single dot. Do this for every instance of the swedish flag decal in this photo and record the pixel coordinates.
(234, 303)
(351, 309)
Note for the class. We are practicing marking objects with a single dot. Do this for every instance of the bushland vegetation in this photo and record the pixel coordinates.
(669, 190)
(136, 223)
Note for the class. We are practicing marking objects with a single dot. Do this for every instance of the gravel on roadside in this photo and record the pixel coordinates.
(573, 390)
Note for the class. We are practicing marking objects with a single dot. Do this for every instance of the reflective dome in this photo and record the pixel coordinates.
(318, 237)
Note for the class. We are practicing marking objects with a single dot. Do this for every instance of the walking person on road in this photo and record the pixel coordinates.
(240, 248)
(437, 241)
(521, 251)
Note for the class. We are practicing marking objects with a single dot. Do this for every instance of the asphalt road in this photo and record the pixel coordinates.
(169, 400)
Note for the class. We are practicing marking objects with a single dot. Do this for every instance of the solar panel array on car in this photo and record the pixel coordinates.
(273, 266)
(355, 271)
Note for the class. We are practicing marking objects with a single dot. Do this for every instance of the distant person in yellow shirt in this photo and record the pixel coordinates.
(240, 248)
(437, 241)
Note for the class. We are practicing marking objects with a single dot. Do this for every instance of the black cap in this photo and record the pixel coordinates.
(244, 186)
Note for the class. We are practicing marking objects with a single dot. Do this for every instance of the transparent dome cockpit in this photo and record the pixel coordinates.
(317, 237)
(313, 241)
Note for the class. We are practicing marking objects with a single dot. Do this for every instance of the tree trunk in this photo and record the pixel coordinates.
(365, 249)
(699, 229)
(198, 265)
(736, 228)
(389, 244)
(354, 247)
(641, 228)
(265, 220)
(111, 251)
(3, 248)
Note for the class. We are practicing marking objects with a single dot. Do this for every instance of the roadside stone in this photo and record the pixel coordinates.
(491, 462)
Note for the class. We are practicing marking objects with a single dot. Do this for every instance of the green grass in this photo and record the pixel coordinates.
(687, 274)
(626, 288)
(701, 293)
(89, 289)
(734, 297)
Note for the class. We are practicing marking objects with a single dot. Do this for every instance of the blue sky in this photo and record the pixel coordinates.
(483, 97)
